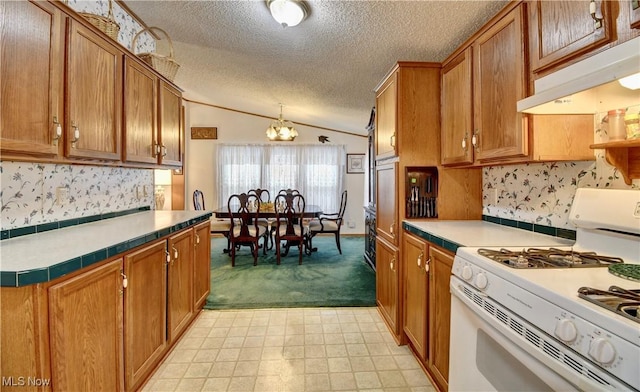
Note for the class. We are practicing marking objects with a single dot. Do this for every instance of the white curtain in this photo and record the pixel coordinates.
(317, 171)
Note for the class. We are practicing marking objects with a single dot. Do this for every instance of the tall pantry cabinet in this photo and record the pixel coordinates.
(405, 125)
(407, 137)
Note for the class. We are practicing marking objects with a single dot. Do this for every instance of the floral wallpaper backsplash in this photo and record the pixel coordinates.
(542, 193)
(29, 192)
(129, 27)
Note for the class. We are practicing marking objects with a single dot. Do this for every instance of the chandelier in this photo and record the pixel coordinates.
(281, 129)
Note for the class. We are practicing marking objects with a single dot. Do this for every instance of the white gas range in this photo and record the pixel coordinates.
(531, 319)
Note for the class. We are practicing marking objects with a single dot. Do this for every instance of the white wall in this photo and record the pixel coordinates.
(234, 127)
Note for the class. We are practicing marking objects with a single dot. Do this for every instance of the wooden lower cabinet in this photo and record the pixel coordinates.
(427, 305)
(179, 283)
(108, 326)
(145, 309)
(415, 253)
(439, 315)
(202, 264)
(85, 318)
(387, 286)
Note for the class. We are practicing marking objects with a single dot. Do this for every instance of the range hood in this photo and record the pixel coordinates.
(589, 86)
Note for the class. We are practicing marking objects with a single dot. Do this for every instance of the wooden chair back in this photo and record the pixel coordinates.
(290, 210)
(198, 200)
(263, 194)
(289, 191)
(244, 210)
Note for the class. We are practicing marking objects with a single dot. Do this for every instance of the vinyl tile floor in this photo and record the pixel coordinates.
(298, 349)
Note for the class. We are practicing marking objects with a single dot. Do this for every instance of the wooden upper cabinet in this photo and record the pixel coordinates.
(171, 132)
(94, 96)
(500, 80)
(634, 15)
(31, 70)
(559, 31)
(386, 118)
(457, 110)
(140, 113)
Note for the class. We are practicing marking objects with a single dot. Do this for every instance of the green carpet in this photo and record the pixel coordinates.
(325, 278)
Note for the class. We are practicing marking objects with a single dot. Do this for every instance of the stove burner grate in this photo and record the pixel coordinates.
(616, 299)
(548, 258)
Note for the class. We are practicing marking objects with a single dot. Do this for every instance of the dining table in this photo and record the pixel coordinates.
(311, 211)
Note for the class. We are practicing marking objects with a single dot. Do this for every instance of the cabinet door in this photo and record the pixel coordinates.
(562, 30)
(457, 110)
(145, 312)
(387, 205)
(170, 125)
(415, 253)
(86, 330)
(202, 267)
(94, 96)
(180, 283)
(140, 113)
(31, 70)
(386, 118)
(387, 285)
(499, 82)
(440, 264)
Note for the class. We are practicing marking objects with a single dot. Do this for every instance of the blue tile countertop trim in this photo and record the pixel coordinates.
(152, 225)
(441, 242)
(548, 230)
(41, 228)
(468, 231)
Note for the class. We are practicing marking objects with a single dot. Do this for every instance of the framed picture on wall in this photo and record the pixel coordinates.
(355, 163)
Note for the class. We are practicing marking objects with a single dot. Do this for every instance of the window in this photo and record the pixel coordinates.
(316, 171)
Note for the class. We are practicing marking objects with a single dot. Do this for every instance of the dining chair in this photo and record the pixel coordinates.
(289, 223)
(218, 225)
(244, 210)
(289, 190)
(263, 194)
(264, 197)
(329, 223)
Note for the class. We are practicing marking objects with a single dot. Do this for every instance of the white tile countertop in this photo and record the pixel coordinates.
(481, 233)
(45, 256)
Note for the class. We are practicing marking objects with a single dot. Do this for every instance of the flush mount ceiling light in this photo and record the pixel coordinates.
(281, 129)
(287, 12)
(631, 82)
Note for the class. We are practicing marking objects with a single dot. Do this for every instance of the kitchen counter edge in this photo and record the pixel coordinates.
(451, 235)
(43, 257)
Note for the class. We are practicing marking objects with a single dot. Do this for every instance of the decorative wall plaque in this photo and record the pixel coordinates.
(204, 133)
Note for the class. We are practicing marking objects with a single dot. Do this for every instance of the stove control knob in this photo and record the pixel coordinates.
(602, 351)
(566, 330)
(467, 273)
(481, 281)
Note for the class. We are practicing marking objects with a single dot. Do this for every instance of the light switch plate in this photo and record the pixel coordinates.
(62, 195)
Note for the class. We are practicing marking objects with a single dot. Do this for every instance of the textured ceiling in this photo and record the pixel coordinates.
(234, 54)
